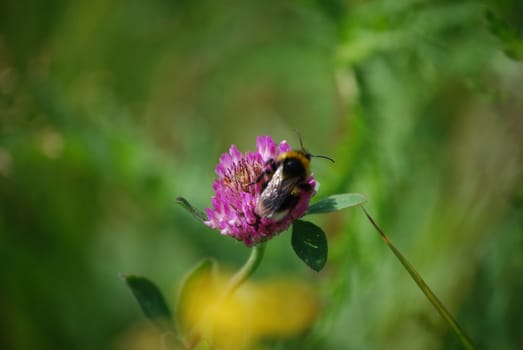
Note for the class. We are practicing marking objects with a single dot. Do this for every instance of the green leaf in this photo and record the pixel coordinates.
(511, 42)
(336, 202)
(198, 214)
(151, 301)
(310, 244)
(189, 283)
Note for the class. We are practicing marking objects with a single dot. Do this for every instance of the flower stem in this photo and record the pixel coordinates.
(247, 269)
(447, 316)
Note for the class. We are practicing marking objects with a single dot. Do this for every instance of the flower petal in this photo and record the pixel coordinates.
(266, 147)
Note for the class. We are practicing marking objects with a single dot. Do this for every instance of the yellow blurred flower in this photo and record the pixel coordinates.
(255, 311)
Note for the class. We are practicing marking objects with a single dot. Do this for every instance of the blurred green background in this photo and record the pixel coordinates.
(111, 109)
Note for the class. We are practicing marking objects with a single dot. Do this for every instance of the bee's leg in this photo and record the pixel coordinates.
(256, 224)
(259, 177)
(304, 186)
(270, 167)
(272, 163)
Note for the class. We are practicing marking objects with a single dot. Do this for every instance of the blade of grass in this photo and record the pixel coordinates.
(447, 316)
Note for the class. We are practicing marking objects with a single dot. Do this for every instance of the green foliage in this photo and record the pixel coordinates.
(310, 244)
(336, 202)
(510, 39)
(151, 301)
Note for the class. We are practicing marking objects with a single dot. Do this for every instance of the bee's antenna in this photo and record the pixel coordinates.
(299, 138)
(325, 157)
(303, 148)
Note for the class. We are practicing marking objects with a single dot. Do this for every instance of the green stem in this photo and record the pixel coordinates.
(447, 316)
(248, 269)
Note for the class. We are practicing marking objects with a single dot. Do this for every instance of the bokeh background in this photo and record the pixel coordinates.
(111, 109)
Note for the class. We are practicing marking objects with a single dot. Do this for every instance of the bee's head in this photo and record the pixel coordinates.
(296, 164)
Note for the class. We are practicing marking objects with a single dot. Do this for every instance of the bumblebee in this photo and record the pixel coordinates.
(285, 178)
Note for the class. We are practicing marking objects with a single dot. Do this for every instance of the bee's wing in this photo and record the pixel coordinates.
(275, 194)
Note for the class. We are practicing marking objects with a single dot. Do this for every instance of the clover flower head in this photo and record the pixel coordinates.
(237, 191)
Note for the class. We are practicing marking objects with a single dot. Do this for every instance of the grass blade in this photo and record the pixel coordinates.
(447, 316)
